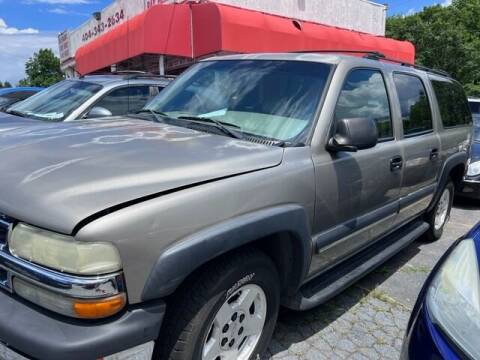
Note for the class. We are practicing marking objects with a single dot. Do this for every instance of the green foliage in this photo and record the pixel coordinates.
(7, 85)
(446, 38)
(43, 69)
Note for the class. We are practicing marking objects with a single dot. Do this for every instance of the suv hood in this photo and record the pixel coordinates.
(55, 175)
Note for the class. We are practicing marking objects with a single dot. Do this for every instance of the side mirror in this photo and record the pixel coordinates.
(354, 134)
(98, 112)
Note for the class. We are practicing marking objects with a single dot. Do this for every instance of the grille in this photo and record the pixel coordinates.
(5, 223)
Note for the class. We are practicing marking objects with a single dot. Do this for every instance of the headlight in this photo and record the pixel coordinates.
(473, 169)
(453, 300)
(91, 286)
(62, 252)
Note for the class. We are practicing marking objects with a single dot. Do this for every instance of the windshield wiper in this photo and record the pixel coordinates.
(156, 114)
(218, 124)
(16, 113)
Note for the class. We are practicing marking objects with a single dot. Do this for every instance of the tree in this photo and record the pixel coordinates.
(42, 69)
(7, 84)
(446, 38)
(1, 85)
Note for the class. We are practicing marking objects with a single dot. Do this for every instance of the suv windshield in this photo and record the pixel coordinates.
(271, 99)
(56, 102)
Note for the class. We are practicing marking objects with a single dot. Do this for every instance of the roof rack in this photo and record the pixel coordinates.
(380, 57)
(366, 52)
(148, 75)
(375, 55)
(130, 74)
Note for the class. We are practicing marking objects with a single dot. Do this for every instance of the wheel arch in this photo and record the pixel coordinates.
(453, 168)
(281, 232)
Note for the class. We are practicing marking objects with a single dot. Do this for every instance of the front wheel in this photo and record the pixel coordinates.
(439, 216)
(227, 312)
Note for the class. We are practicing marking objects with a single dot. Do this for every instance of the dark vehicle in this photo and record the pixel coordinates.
(90, 97)
(251, 182)
(11, 96)
(445, 323)
(471, 184)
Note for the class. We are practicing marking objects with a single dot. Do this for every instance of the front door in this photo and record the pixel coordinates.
(357, 193)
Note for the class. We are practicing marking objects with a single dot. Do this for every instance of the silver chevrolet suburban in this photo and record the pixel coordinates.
(251, 182)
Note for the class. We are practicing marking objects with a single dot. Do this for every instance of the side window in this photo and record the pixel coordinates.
(364, 95)
(414, 104)
(452, 103)
(116, 101)
(126, 100)
(139, 96)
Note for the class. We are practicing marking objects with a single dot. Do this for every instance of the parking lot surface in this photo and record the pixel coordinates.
(368, 320)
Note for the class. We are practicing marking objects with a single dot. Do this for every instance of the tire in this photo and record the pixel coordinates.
(211, 312)
(440, 214)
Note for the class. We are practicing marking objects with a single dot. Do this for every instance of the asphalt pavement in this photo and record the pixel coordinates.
(368, 320)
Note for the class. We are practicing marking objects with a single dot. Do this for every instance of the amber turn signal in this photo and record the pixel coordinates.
(97, 309)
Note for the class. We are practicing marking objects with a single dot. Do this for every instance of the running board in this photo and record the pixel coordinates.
(337, 279)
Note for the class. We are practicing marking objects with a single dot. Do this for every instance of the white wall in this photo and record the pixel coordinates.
(359, 15)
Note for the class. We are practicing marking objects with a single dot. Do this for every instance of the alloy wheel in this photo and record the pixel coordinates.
(442, 209)
(237, 326)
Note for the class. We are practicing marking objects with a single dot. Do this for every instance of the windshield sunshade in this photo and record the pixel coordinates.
(272, 99)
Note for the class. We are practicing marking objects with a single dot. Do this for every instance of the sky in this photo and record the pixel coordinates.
(29, 25)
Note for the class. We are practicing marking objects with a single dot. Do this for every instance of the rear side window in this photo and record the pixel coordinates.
(452, 103)
(414, 104)
(364, 95)
(126, 100)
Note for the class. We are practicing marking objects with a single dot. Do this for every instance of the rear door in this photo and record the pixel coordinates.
(420, 145)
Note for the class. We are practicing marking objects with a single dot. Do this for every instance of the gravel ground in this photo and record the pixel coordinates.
(368, 320)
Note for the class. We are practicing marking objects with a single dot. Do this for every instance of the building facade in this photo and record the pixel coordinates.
(110, 38)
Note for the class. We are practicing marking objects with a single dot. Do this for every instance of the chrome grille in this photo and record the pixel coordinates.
(5, 224)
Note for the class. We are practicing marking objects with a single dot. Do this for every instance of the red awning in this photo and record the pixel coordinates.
(162, 29)
(196, 30)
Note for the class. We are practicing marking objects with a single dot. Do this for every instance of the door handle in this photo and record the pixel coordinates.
(434, 154)
(396, 163)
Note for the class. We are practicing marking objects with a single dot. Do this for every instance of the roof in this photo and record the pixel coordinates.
(106, 79)
(472, 99)
(191, 30)
(333, 58)
(329, 58)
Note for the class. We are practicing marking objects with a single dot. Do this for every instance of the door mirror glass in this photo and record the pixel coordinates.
(98, 112)
(354, 134)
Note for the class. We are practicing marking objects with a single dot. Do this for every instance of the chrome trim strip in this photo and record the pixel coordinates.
(4, 223)
(92, 287)
(471, 181)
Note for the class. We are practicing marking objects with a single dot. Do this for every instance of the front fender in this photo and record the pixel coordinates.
(183, 258)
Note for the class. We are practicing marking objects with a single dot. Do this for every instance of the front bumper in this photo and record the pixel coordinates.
(39, 334)
(470, 189)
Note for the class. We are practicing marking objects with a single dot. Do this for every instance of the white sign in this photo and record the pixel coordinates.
(64, 45)
(358, 15)
(110, 17)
